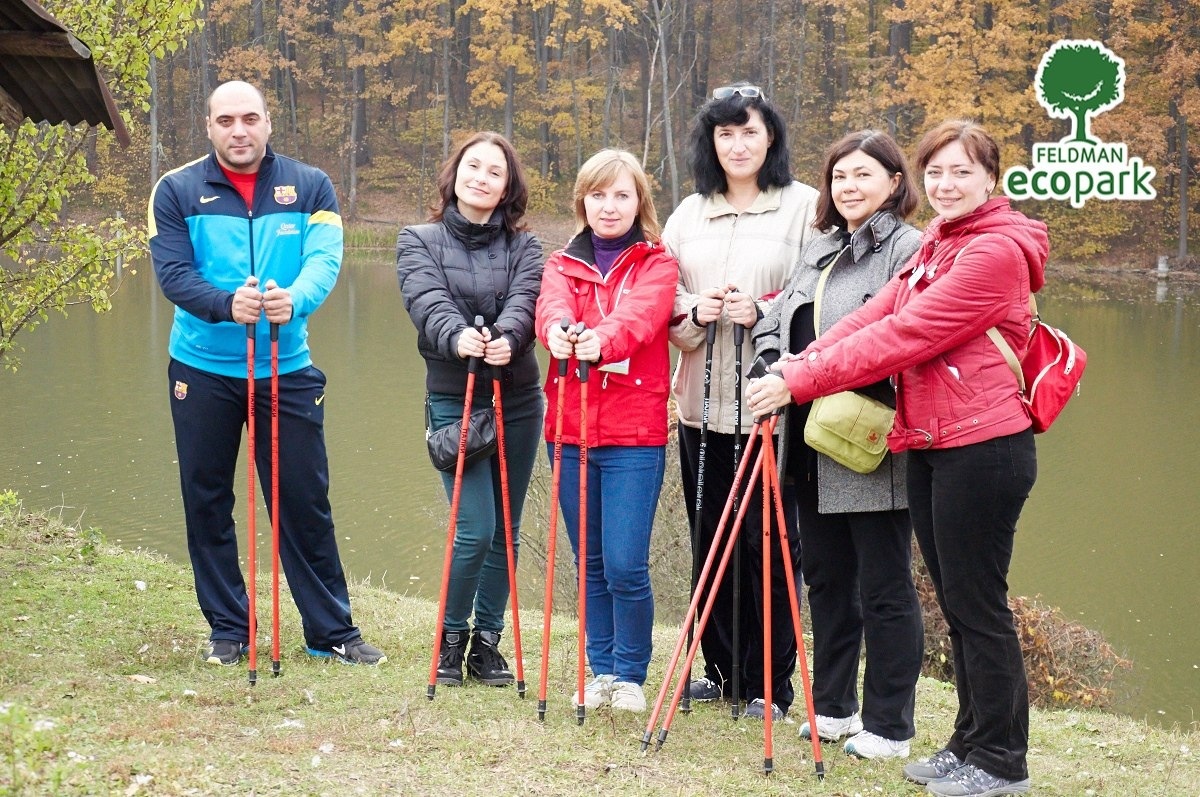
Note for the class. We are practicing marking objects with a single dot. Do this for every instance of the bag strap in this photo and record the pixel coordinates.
(825, 269)
(1010, 356)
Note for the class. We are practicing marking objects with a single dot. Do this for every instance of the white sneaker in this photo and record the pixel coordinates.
(832, 729)
(596, 694)
(628, 696)
(865, 744)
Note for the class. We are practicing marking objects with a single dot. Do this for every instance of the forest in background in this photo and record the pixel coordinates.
(377, 91)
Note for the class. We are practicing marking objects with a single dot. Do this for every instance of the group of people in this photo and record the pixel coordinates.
(830, 286)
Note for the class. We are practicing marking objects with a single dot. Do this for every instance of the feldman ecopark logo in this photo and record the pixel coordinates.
(1077, 79)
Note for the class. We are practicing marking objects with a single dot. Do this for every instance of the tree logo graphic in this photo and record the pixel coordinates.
(1078, 79)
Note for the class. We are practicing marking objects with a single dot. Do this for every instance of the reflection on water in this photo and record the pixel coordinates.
(1110, 534)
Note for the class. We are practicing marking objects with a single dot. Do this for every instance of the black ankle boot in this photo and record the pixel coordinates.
(484, 661)
(450, 662)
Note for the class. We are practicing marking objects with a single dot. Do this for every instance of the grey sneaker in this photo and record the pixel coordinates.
(971, 781)
(938, 765)
(832, 729)
(353, 652)
(225, 652)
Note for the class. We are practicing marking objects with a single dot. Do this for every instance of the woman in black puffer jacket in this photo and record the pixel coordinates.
(476, 258)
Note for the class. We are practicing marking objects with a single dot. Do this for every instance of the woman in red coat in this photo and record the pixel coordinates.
(959, 414)
(616, 280)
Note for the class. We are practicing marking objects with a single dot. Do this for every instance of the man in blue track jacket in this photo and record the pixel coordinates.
(241, 239)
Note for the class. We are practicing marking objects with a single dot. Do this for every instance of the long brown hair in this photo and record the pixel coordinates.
(516, 192)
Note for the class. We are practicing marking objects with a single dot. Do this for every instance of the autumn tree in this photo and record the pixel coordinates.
(49, 260)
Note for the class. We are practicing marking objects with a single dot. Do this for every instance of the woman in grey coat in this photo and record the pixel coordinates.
(854, 529)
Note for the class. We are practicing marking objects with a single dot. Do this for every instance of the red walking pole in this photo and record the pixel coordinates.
(498, 403)
(687, 635)
(584, 366)
(552, 534)
(730, 548)
(275, 500)
(767, 664)
(789, 576)
(251, 502)
(452, 525)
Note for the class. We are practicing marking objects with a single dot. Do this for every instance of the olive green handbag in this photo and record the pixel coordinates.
(848, 427)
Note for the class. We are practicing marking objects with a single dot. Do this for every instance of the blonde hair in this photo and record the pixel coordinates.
(602, 170)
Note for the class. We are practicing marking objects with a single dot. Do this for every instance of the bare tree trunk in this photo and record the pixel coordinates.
(1183, 190)
(771, 28)
(610, 86)
(446, 87)
(541, 27)
(154, 97)
(257, 27)
(899, 44)
(661, 12)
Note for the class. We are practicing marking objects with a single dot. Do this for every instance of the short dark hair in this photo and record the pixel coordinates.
(516, 192)
(980, 146)
(881, 147)
(735, 110)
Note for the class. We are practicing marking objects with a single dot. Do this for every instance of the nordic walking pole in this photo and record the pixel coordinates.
(730, 547)
(710, 338)
(251, 533)
(274, 498)
(552, 534)
(584, 366)
(697, 596)
(452, 525)
(794, 605)
(767, 665)
(506, 505)
(739, 333)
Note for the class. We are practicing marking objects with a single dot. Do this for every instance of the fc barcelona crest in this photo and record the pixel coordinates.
(180, 390)
(285, 194)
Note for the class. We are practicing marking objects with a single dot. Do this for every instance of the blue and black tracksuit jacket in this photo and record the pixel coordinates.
(205, 242)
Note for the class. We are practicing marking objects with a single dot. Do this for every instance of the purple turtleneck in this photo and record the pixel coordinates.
(606, 250)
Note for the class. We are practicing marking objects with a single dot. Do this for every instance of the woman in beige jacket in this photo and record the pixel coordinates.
(737, 240)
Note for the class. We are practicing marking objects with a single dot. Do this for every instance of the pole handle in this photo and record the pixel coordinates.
(562, 364)
(584, 365)
(710, 333)
(473, 362)
(497, 370)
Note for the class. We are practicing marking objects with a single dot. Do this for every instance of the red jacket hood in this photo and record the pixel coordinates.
(996, 216)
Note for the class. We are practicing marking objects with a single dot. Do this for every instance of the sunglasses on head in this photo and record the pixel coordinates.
(749, 92)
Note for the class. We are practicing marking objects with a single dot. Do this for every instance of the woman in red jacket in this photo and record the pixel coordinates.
(615, 278)
(971, 461)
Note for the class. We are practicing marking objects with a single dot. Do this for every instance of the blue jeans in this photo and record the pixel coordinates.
(623, 486)
(479, 565)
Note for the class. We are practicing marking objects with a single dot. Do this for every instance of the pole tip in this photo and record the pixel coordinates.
(430, 690)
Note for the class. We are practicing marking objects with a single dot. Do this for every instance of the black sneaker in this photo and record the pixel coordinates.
(704, 690)
(756, 710)
(484, 662)
(450, 661)
(225, 652)
(353, 652)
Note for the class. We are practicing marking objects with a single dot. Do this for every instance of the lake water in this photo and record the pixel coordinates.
(1111, 534)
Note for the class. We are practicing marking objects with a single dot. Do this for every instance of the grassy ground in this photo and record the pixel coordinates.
(102, 692)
